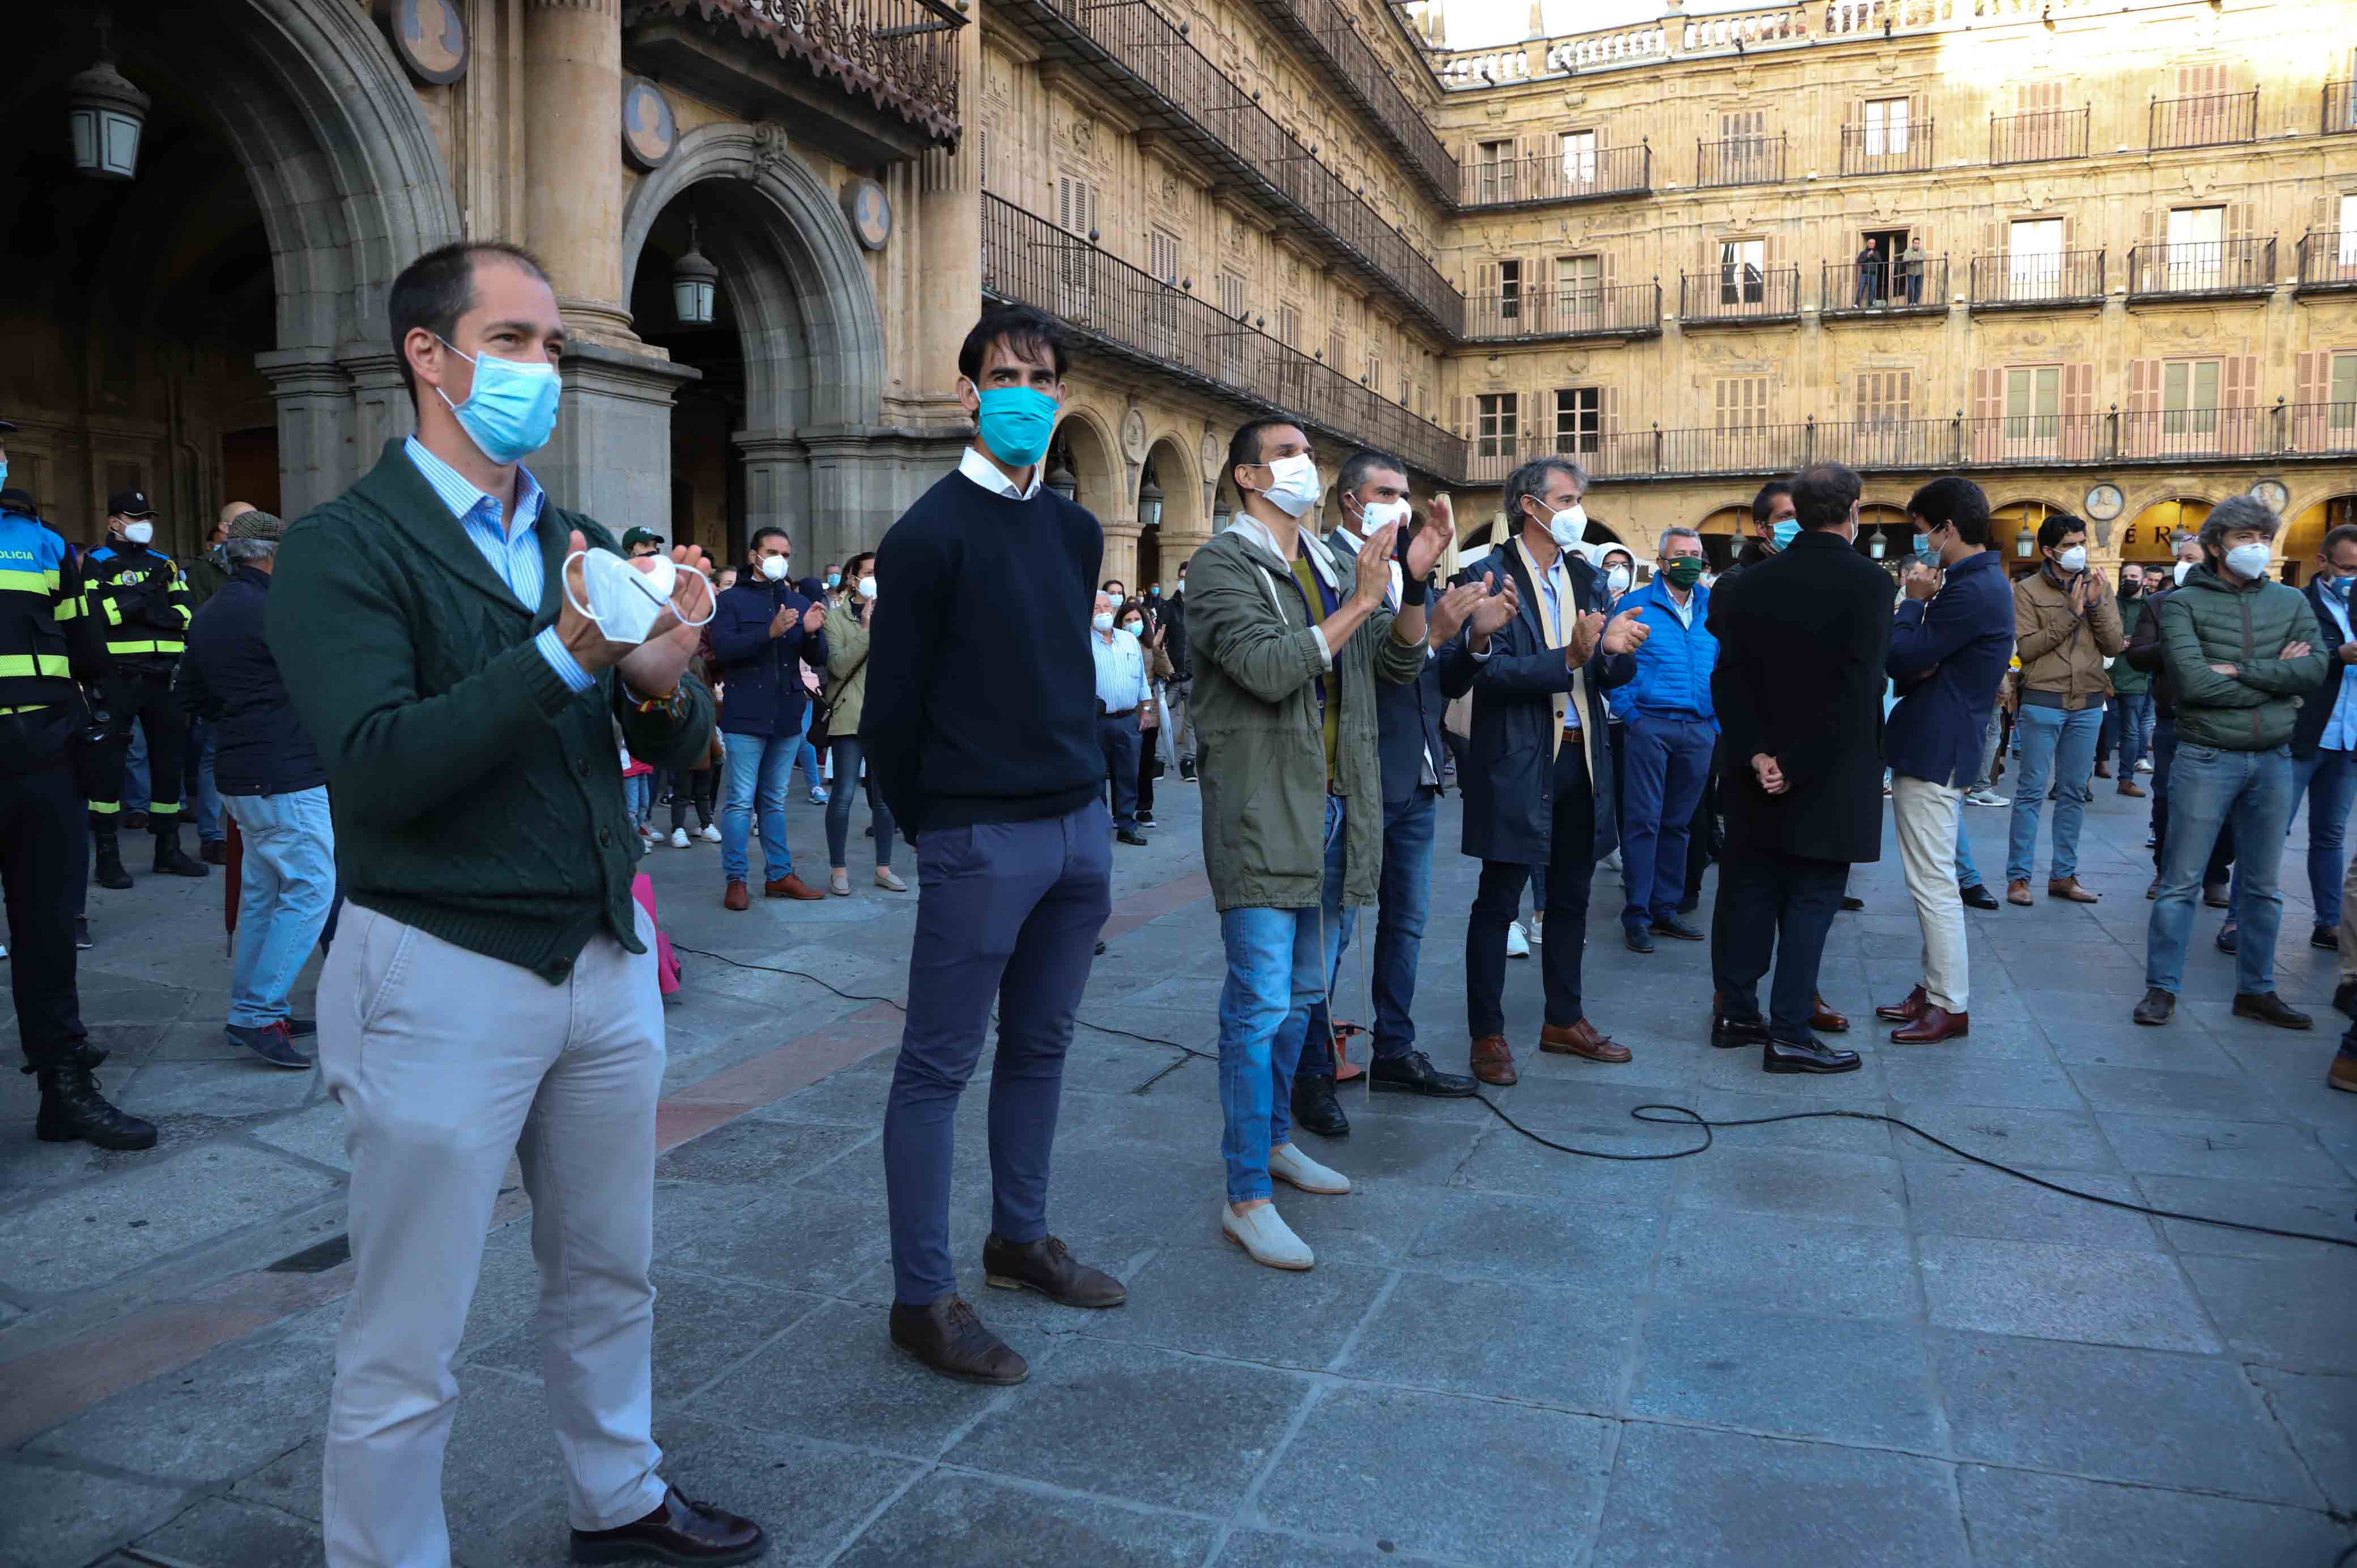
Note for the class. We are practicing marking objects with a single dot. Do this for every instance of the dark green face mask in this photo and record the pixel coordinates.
(1684, 572)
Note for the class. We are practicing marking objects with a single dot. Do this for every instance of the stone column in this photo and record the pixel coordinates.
(1178, 544)
(381, 410)
(573, 187)
(315, 460)
(1121, 536)
(948, 223)
(610, 457)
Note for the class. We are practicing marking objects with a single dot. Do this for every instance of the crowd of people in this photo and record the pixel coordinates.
(440, 731)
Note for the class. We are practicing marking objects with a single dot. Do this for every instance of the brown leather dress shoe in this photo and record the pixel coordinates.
(791, 887)
(948, 1336)
(1581, 1039)
(736, 898)
(1049, 1267)
(2131, 788)
(1932, 1026)
(1908, 1011)
(679, 1532)
(2067, 887)
(1492, 1061)
(2018, 891)
(1826, 1021)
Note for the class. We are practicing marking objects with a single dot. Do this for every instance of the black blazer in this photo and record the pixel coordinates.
(2316, 707)
(1802, 637)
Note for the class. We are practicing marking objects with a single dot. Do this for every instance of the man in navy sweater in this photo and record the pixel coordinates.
(980, 725)
(1949, 649)
(763, 633)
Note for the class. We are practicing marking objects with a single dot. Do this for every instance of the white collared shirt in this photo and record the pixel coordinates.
(1120, 670)
(986, 474)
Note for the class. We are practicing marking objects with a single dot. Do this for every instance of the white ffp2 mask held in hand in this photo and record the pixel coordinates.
(624, 600)
(1294, 486)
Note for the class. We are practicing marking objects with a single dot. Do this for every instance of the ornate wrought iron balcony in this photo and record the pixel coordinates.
(1569, 310)
(1740, 160)
(2211, 120)
(1857, 290)
(1326, 30)
(900, 55)
(1902, 147)
(1591, 174)
(2208, 270)
(1117, 309)
(2040, 136)
(1736, 294)
(2038, 280)
(2328, 262)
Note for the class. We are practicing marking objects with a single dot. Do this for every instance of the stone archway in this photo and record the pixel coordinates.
(1183, 529)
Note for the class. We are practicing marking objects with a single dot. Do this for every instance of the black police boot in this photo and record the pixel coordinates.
(72, 1108)
(1316, 1109)
(109, 871)
(171, 858)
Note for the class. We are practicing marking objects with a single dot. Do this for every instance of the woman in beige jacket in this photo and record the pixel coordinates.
(845, 693)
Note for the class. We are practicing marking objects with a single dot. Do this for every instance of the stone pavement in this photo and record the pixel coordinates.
(1821, 1343)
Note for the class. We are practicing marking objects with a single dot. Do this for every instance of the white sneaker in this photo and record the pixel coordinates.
(1538, 930)
(1517, 944)
(1290, 1165)
(1612, 861)
(712, 832)
(1266, 1237)
(679, 838)
(890, 880)
(818, 795)
(2144, 765)
(1986, 798)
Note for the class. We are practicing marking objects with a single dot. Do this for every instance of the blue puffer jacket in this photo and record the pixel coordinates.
(1673, 666)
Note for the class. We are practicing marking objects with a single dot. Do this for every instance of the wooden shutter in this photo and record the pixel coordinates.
(2142, 435)
(1988, 410)
(2078, 413)
(2311, 392)
(2200, 81)
(1464, 417)
(2238, 398)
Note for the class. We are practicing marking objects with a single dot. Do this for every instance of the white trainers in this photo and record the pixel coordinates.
(2144, 765)
(1538, 929)
(1612, 861)
(890, 880)
(1266, 1237)
(712, 832)
(1986, 798)
(679, 838)
(1517, 944)
(1290, 1165)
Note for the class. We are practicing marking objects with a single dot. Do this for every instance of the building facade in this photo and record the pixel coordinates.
(2105, 260)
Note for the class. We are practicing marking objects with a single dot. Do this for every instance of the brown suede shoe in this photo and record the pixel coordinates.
(1049, 1267)
(791, 887)
(1826, 1021)
(736, 898)
(2067, 887)
(950, 1338)
(2130, 787)
(1908, 1011)
(2018, 891)
(1581, 1039)
(1493, 1061)
(679, 1532)
(1934, 1025)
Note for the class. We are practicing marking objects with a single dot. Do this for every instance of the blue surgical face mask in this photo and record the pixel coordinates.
(512, 413)
(1785, 532)
(1925, 551)
(1016, 423)
(835, 579)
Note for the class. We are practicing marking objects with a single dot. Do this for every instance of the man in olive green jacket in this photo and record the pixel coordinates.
(2239, 651)
(1287, 644)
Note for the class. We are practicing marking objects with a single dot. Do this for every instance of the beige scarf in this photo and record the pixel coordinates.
(1557, 638)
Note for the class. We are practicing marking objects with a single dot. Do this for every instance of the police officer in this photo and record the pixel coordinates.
(141, 599)
(48, 642)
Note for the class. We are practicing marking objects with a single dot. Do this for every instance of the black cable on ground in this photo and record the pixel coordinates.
(1678, 1115)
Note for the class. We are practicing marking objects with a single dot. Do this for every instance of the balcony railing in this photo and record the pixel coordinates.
(2040, 136)
(1125, 312)
(1900, 286)
(1887, 149)
(2206, 267)
(1588, 175)
(1740, 160)
(1325, 27)
(1132, 54)
(1567, 310)
(2328, 261)
(2038, 280)
(2212, 120)
(1739, 293)
(2039, 441)
(2340, 107)
(900, 54)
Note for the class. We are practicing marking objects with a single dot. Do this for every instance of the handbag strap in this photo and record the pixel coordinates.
(836, 695)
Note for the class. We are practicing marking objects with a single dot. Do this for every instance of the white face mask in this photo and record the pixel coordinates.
(1617, 579)
(2073, 559)
(866, 587)
(1103, 621)
(1567, 525)
(2248, 562)
(138, 533)
(2182, 568)
(1294, 486)
(774, 567)
(624, 600)
(1381, 514)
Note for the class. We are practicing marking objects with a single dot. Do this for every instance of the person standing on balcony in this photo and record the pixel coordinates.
(1911, 268)
(1869, 274)
(2066, 625)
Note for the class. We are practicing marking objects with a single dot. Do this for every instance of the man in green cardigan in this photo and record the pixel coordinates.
(491, 989)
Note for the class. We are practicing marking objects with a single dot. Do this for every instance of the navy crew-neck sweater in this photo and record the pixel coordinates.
(981, 701)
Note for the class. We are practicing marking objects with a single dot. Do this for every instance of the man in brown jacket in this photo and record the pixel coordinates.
(2066, 625)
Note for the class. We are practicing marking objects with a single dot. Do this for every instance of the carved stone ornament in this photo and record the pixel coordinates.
(771, 148)
(1211, 453)
(1133, 436)
(1169, 191)
(1083, 133)
(1495, 365)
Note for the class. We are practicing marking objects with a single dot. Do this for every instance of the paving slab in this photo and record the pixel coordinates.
(1795, 1374)
(230, 1413)
(2052, 1291)
(2319, 1413)
(1949, 1198)
(1781, 1261)
(1218, 1302)
(2268, 1309)
(61, 1516)
(221, 1531)
(996, 1520)
(1863, 1189)
(2027, 1520)
(1548, 1345)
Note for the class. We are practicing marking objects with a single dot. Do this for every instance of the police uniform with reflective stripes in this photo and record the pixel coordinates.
(140, 601)
(48, 643)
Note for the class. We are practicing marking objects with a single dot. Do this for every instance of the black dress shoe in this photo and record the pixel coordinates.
(1049, 1267)
(1131, 836)
(948, 1336)
(1414, 1074)
(1099, 952)
(1728, 1033)
(679, 1532)
(1637, 938)
(1812, 1056)
(1678, 929)
(1144, 819)
(2344, 997)
(1978, 896)
(2269, 1008)
(1692, 903)
(1852, 904)
(2325, 937)
(2228, 939)
(2156, 1008)
(1315, 1109)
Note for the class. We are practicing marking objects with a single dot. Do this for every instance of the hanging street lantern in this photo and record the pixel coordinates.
(1875, 545)
(1061, 480)
(693, 284)
(105, 114)
(1149, 504)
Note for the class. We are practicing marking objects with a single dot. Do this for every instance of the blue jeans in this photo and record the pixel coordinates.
(2127, 730)
(2329, 782)
(288, 880)
(1968, 874)
(762, 764)
(2207, 787)
(1403, 900)
(809, 752)
(1666, 761)
(1275, 974)
(638, 797)
(203, 738)
(2058, 748)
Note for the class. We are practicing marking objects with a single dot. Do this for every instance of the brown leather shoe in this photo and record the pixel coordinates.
(2018, 891)
(1826, 1021)
(2067, 887)
(1932, 1026)
(948, 1336)
(1581, 1039)
(1908, 1011)
(736, 898)
(791, 887)
(679, 1532)
(1493, 1061)
(2130, 787)
(1049, 1267)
